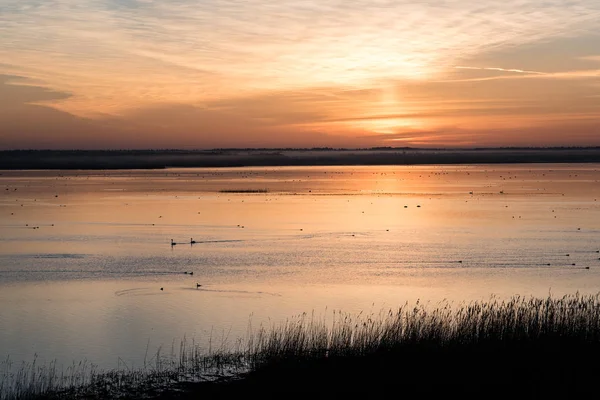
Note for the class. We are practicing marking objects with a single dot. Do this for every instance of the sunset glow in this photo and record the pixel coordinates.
(254, 73)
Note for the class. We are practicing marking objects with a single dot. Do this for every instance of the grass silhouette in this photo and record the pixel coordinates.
(521, 347)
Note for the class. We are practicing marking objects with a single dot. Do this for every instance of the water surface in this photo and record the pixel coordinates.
(84, 254)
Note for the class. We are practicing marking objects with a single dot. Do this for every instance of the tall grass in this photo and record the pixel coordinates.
(516, 325)
(187, 362)
(570, 319)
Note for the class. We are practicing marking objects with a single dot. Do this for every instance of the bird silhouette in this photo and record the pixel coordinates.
(192, 241)
(161, 288)
(198, 285)
(173, 243)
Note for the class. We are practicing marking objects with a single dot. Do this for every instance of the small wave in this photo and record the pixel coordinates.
(133, 291)
(202, 289)
(217, 241)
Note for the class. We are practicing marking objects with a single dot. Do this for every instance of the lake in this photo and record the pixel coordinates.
(87, 271)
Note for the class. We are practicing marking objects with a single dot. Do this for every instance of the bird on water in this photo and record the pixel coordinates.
(173, 243)
(198, 285)
(192, 241)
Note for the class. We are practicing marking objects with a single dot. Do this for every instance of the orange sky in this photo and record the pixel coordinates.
(255, 73)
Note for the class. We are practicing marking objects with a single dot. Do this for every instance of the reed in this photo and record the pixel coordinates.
(521, 345)
(573, 318)
(186, 362)
(522, 340)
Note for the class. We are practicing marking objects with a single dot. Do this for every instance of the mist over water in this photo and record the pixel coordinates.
(84, 254)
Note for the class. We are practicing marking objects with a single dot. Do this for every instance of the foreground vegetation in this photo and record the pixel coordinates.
(520, 347)
(164, 371)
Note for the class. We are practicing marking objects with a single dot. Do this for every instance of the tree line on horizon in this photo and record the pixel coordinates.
(271, 149)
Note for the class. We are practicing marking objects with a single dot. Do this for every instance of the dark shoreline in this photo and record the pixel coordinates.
(218, 158)
(518, 348)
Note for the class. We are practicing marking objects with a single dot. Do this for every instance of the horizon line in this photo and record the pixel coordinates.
(307, 149)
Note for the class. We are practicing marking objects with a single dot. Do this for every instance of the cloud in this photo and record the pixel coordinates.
(520, 71)
(427, 113)
(591, 58)
(519, 74)
(27, 124)
(202, 73)
(117, 55)
(17, 90)
(241, 123)
(543, 133)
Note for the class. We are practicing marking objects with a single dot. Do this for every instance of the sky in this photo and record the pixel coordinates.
(196, 74)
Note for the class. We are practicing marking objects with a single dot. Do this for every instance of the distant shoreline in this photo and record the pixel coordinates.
(216, 158)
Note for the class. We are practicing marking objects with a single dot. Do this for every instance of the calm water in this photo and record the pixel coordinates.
(83, 254)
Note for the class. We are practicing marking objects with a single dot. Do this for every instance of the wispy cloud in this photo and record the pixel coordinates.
(354, 67)
(119, 54)
(592, 58)
(520, 71)
(524, 74)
